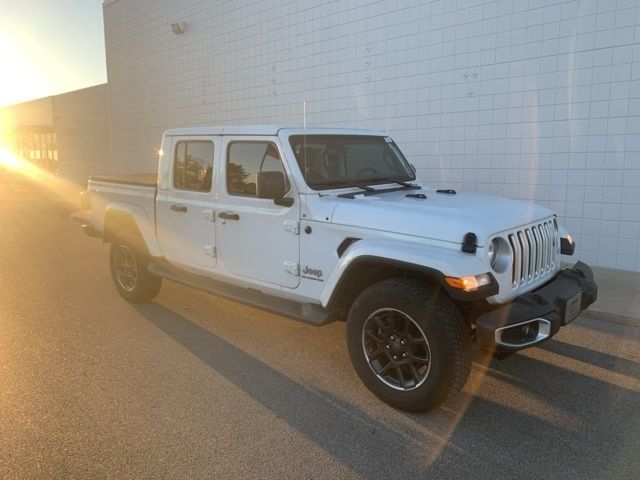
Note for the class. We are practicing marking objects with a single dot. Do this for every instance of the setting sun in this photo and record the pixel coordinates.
(27, 83)
(38, 62)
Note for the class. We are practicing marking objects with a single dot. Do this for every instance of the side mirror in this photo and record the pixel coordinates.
(273, 185)
(413, 167)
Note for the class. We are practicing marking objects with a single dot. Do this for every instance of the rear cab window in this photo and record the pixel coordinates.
(193, 165)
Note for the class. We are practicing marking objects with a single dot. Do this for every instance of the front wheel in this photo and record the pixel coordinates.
(128, 261)
(408, 343)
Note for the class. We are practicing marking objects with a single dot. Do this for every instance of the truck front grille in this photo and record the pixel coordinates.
(535, 251)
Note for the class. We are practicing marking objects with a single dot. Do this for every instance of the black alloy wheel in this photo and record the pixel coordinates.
(126, 270)
(396, 349)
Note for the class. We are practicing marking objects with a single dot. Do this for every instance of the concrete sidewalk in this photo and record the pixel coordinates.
(618, 296)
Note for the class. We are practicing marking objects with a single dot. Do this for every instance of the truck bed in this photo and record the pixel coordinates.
(137, 191)
(142, 179)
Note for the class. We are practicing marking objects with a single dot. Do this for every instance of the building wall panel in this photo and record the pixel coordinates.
(536, 100)
(82, 130)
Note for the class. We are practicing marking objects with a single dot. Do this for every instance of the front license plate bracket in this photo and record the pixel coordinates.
(572, 307)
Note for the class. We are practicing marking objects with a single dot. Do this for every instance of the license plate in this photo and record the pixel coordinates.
(572, 308)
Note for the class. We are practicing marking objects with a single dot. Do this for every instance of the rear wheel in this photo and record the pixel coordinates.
(408, 344)
(128, 262)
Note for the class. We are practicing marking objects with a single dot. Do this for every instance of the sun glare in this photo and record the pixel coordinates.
(8, 160)
(25, 81)
(23, 169)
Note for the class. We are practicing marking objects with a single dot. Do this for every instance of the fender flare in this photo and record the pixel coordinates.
(140, 219)
(431, 261)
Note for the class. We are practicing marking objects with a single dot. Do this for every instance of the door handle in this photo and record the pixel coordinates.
(229, 216)
(178, 208)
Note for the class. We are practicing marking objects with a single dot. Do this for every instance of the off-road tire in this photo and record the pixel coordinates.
(442, 325)
(145, 286)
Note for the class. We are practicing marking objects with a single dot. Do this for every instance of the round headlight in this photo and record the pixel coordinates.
(499, 255)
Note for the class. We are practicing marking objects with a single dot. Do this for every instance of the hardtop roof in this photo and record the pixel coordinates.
(270, 130)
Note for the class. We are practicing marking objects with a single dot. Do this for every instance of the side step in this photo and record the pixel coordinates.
(305, 312)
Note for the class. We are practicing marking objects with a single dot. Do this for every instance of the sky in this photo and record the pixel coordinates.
(49, 47)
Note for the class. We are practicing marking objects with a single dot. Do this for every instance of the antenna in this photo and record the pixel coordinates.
(304, 141)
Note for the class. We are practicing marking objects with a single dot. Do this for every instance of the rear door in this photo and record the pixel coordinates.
(186, 209)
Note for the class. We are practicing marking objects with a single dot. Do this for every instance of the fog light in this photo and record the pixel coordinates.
(530, 330)
(469, 283)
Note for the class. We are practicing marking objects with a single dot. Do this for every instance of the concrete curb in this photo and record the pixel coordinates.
(618, 295)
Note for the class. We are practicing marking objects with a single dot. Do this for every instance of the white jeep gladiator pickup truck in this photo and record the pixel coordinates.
(323, 224)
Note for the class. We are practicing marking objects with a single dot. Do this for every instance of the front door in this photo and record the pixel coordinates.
(185, 210)
(258, 239)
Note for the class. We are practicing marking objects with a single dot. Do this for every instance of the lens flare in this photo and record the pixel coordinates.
(8, 161)
(19, 168)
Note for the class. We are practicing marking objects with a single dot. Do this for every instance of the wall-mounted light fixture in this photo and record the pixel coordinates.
(177, 28)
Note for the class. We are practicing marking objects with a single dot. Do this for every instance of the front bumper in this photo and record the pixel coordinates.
(537, 316)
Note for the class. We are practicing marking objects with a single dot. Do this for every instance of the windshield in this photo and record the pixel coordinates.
(331, 161)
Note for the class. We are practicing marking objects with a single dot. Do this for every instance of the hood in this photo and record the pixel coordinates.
(439, 216)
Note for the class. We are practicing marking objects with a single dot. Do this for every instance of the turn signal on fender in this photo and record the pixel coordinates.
(470, 283)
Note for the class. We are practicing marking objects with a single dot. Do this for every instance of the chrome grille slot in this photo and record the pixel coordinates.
(532, 252)
(525, 255)
(548, 243)
(517, 258)
(545, 243)
(535, 252)
(539, 249)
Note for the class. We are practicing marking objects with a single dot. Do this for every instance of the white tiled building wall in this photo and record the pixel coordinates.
(531, 99)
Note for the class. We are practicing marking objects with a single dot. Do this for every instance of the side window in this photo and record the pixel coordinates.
(245, 160)
(193, 165)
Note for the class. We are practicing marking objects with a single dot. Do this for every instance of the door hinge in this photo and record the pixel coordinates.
(292, 267)
(209, 215)
(210, 250)
(292, 226)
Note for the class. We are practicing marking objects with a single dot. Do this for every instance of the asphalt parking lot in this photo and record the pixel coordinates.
(193, 386)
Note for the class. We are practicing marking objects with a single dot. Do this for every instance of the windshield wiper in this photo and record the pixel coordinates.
(406, 184)
(389, 180)
(366, 188)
